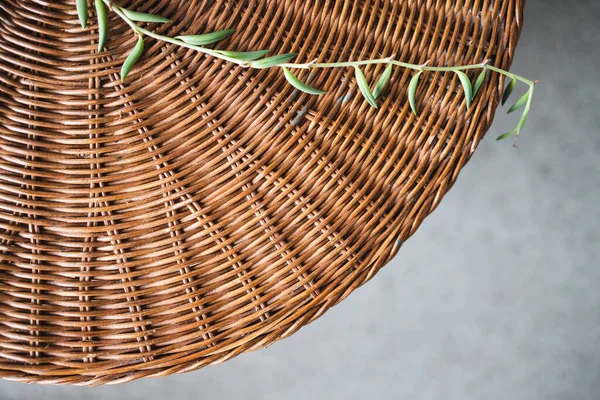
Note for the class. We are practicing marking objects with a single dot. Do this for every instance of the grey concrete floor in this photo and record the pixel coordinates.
(497, 296)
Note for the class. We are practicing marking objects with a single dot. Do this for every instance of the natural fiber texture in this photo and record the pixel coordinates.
(203, 210)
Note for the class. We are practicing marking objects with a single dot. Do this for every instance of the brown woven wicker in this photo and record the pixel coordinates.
(201, 210)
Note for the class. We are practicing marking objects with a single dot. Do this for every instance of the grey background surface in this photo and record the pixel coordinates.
(497, 296)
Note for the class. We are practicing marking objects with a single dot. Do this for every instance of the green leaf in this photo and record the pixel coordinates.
(133, 57)
(412, 91)
(522, 121)
(207, 38)
(102, 24)
(82, 12)
(363, 85)
(273, 61)
(479, 82)
(506, 135)
(383, 81)
(298, 84)
(466, 84)
(143, 17)
(508, 91)
(244, 55)
(520, 103)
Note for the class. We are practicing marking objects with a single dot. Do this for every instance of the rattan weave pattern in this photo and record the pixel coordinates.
(203, 210)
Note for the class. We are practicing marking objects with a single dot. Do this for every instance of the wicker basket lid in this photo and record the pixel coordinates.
(202, 210)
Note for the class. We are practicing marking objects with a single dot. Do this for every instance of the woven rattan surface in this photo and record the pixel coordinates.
(203, 210)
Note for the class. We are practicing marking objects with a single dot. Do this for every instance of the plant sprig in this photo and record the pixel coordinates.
(260, 60)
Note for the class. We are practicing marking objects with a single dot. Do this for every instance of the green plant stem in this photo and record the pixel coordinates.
(387, 60)
(510, 75)
(416, 67)
(312, 65)
(345, 64)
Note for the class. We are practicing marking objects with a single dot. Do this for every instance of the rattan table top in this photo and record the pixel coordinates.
(200, 210)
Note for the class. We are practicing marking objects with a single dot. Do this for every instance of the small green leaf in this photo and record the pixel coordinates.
(506, 135)
(143, 17)
(298, 84)
(273, 61)
(82, 12)
(520, 103)
(244, 55)
(508, 91)
(478, 83)
(522, 121)
(363, 85)
(102, 24)
(412, 91)
(466, 84)
(207, 38)
(133, 57)
(383, 81)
